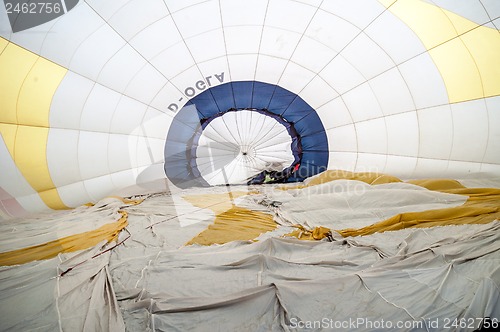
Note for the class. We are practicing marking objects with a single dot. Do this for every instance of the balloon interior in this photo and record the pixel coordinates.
(235, 165)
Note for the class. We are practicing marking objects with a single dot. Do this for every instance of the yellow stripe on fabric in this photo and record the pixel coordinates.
(474, 211)
(27, 85)
(108, 232)
(231, 222)
(8, 132)
(465, 54)
(481, 207)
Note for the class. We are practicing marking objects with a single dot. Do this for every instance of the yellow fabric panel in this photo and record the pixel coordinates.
(317, 233)
(218, 203)
(108, 232)
(486, 58)
(231, 223)
(15, 65)
(36, 94)
(465, 54)
(459, 71)
(437, 184)
(27, 85)
(8, 132)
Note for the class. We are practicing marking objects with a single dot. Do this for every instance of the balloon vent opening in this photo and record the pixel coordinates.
(236, 131)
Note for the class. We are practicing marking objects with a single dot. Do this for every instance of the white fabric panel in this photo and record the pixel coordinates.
(367, 57)
(353, 204)
(167, 95)
(402, 134)
(435, 125)
(62, 156)
(401, 43)
(342, 160)
(99, 187)
(119, 153)
(121, 69)
(278, 42)
(146, 84)
(209, 69)
(341, 75)
(492, 7)
(369, 162)
(156, 149)
(106, 9)
(10, 177)
(400, 166)
(32, 203)
(269, 68)
(424, 81)
(124, 178)
(66, 37)
(93, 154)
(312, 54)
(458, 168)
(392, 93)
(74, 194)
(242, 12)
(147, 41)
(242, 67)
(69, 100)
(470, 130)
(188, 19)
(207, 45)
(317, 93)
(334, 114)
(89, 63)
(32, 40)
(99, 109)
(295, 78)
(372, 136)
(143, 15)
(188, 78)
(491, 155)
(128, 116)
(342, 139)
(142, 157)
(495, 24)
(359, 12)
(362, 103)
(280, 13)
(491, 169)
(238, 145)
(242, 39)
(174, 5)
(463, 8)
(173, 60)
(155, 124)
(152, 176)
(427, 168)
(331, 30)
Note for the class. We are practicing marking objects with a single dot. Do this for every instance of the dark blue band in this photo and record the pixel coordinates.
(181, 143)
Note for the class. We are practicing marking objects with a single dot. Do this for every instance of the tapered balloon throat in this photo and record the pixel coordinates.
(245, 132)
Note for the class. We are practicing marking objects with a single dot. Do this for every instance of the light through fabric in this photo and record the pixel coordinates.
(236, 145)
